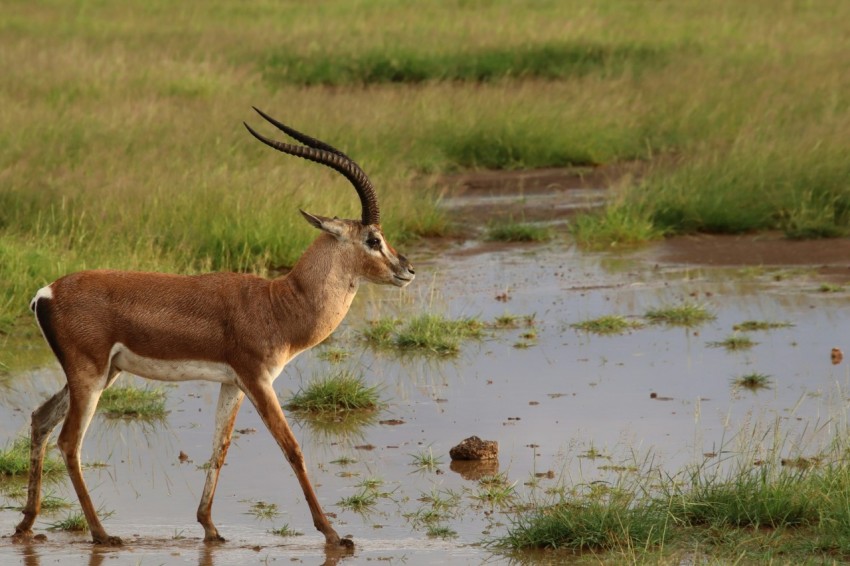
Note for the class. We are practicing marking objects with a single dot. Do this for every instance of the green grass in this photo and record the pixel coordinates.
(381, 332)
(751, 504)
(753, 325)
(608, 324)
(262, 510)
(495, 490)
(556, 60)
(510, 231)
(441, 531)
(286, 531)
(333, 355)
(735, 342)
(366, 498)
(73, 522)
(753, 381)
(339, 391)
(361, 501)
(683, 314)
(425, 460)
(512, 321)
(739, 121)
(425, 333)
(15, 459)
(132, 402)
(619, 224)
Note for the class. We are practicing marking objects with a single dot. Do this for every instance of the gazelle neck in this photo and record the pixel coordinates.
(313, 298)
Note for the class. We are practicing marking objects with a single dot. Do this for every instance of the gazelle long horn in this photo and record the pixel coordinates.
(321, 152)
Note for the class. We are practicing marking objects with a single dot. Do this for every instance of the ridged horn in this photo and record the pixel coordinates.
(321, 152)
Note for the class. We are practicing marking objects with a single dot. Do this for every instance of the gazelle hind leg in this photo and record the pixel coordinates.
(83, 402)
(44, 420)
(229, 400)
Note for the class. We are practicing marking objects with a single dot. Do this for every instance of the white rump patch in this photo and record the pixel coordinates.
(124, 359)
(43, 293)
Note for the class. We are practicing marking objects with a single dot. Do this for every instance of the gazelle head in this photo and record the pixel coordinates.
(372, 256)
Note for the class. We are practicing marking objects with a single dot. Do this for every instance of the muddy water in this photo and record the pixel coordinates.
(552, 404)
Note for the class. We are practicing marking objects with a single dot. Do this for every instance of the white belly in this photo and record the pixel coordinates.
(170, 370)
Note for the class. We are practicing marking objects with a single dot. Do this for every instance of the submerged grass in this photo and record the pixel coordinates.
(608, 324)
(753, 381)
(753, 325)
(735, 342)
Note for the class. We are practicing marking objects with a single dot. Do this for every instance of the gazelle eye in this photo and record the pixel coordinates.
(373, 242)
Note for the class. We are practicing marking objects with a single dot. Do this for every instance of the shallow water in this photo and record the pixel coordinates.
(551, 405)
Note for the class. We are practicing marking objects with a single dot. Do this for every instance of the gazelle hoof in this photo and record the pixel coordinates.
(109, 541)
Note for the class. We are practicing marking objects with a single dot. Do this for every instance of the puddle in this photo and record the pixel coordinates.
(552, 404)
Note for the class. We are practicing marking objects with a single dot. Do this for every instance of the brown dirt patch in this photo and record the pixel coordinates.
(538, 195)
(831, 257)
(477, 198)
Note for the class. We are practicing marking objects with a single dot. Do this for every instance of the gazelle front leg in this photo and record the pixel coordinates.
(229, 400)
(263, 397)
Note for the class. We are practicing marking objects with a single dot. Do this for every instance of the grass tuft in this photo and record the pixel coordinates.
(73, 522)
(286, 531)
(263, 511)
(753, 381)
(606, 325)
(734, 343)
(753, 325)
(340, 391)
(426, 460)
(361, 501)
(683, 314)
(426, 332)
(608, 523)
(133, 402)
(15, 459)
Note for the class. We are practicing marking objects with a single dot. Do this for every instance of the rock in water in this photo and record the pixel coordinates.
(473, 448)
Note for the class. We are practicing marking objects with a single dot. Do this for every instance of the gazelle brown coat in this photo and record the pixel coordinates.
(235, 329)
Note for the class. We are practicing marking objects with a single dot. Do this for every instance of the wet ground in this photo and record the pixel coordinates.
(566, 407)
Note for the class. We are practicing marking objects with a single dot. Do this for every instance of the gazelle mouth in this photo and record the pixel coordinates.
(403, 280)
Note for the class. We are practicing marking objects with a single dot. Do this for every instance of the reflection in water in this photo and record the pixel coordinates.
(345, 428)
(475, 469)
(38, 552)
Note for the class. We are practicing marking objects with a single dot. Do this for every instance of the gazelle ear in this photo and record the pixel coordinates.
(332, 226)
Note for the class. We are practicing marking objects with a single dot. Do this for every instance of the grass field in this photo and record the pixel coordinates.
(121, 142)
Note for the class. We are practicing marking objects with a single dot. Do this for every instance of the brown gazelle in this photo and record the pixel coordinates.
(235, 329)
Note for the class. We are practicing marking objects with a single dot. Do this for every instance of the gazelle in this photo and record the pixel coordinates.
(235, 329)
